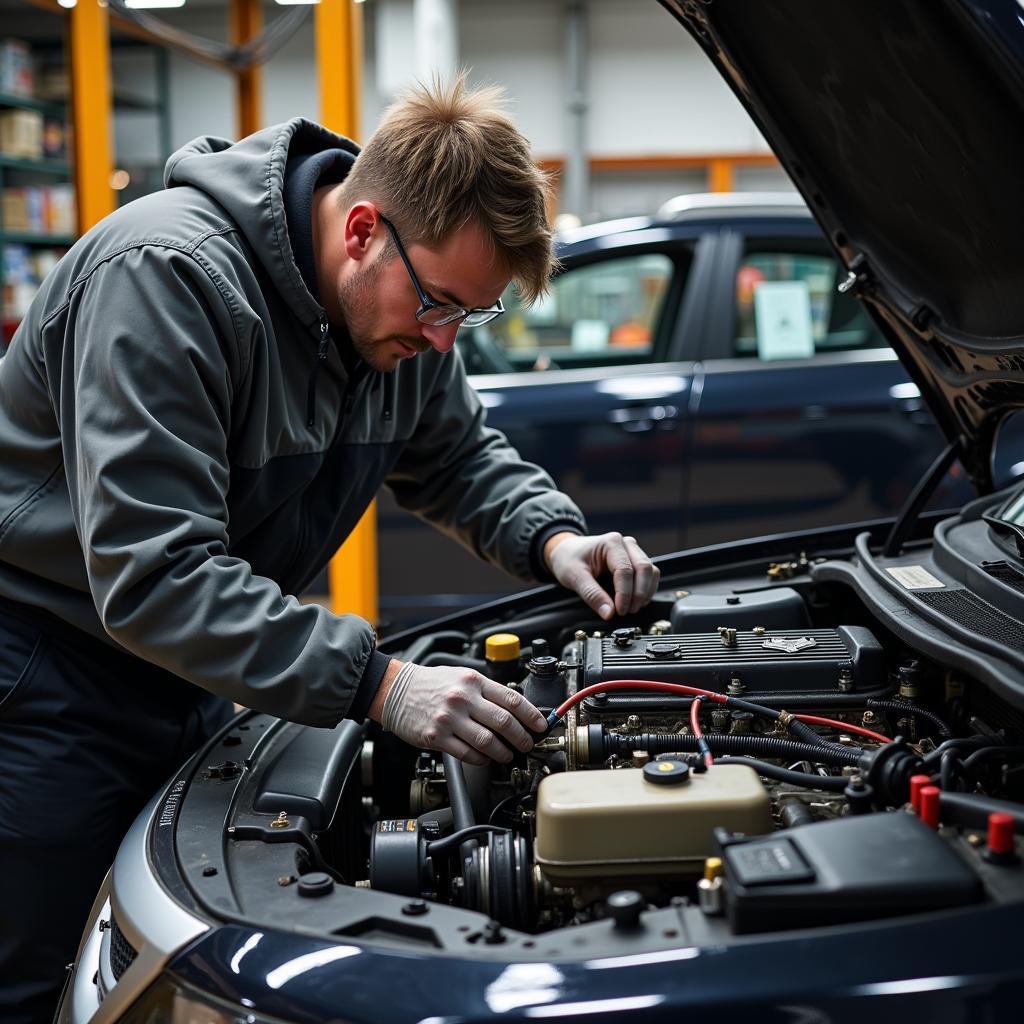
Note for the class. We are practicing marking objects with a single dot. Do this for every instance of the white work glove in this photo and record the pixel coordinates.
(576, 562)
(458, 711)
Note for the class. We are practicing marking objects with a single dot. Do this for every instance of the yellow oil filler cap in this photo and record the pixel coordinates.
(712, 868)
(501, 647)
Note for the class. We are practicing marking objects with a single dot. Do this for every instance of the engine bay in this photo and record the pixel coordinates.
(774, 745)
(643, 795)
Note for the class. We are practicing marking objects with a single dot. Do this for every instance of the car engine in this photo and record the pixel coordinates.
(645, 795)
(783, 740)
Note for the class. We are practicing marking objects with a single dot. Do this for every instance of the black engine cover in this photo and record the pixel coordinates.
(778, 660)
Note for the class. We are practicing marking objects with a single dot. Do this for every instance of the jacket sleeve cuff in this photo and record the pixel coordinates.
(376, 665)
(541, 537)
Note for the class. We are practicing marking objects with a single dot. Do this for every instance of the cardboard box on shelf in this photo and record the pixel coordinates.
(19, 281)
(14, 210)
(16, 68)
(60, 209)
(39, 209)
(21, 134)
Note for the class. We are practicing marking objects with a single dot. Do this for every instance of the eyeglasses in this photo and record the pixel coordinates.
(437, 314)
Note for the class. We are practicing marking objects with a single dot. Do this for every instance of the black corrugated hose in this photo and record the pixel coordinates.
(912, 709)
(768, 746)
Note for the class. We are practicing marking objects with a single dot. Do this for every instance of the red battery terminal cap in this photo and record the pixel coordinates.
(1000, 848)
(917, 783)
(928, 808)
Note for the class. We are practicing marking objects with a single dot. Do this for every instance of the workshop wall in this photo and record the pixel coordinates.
(650, 93)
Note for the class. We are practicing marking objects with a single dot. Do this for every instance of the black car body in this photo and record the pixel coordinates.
(827, 874)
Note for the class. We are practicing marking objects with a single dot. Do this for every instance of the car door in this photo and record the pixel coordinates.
(805, 417)
(585, 384)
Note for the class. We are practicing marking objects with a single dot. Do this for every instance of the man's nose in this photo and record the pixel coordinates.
(441, 338)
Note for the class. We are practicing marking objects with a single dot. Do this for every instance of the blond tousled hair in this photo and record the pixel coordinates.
(444, 156)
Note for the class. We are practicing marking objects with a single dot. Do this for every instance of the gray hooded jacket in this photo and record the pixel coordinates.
(166, 484)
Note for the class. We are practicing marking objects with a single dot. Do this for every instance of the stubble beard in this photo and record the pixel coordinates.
(358, 301)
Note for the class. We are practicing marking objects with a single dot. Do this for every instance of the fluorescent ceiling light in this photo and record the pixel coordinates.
(295, 3)
(141, 5)
(67, 4)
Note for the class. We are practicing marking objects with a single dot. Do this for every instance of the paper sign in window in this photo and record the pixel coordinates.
(589, 336)
(782, 312)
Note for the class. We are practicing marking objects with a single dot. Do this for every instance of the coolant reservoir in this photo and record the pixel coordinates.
(650, 821)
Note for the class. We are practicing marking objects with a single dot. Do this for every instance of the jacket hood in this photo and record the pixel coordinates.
(247, 179)
(902, 123)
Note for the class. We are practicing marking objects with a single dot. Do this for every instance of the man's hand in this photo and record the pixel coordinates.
(576, 562)
(455, 710)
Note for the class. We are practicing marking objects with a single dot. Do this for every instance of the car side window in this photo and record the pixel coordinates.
(788, 307)
(598, 314)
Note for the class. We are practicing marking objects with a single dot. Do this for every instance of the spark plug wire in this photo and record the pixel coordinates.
(696, 691)
(695, 727)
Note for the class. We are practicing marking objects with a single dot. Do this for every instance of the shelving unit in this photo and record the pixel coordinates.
(16, 171)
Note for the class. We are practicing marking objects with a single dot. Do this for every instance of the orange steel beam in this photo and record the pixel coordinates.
(245, 21)
(339, 64)
(91, 98)
(665, 162)
(339, 50)
(720, 176)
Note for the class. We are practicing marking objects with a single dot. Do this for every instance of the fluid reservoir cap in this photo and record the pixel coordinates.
(315, 883)
(667, 773)
(501, 647)
(625, 907)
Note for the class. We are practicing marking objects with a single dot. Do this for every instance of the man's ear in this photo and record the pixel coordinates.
(362, 225)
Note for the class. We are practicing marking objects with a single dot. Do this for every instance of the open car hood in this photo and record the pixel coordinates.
(902, 123)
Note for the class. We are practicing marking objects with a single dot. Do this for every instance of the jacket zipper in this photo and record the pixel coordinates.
(321, 362)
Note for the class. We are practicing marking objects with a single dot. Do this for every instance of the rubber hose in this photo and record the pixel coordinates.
(972, 810)
(770, 746)
(971, 742)
(829, 783)
(948, 764)
(464, 836)
(986, 752)
(458, 795)
(795, 812)
(912, 709)
(424, 645)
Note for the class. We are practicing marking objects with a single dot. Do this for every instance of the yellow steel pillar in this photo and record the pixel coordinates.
(246, 20)
(91, 97)
(339, 61)
(339, 64)
(720, 175)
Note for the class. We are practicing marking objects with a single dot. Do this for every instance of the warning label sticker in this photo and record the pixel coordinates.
(914, 577)
(397, 825)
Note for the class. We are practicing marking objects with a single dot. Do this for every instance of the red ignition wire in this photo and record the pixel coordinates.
(633, 684)
(698, 735)
(695, 691)
(845, 726)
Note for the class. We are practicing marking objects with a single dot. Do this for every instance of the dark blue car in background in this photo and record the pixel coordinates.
(672, 403)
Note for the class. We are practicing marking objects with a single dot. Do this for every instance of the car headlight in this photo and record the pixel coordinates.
(169, 1001)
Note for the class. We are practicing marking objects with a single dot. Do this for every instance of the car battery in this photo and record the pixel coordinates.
(849, 869)
(749, 660)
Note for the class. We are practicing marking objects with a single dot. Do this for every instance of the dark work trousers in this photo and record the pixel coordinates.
(88, 734)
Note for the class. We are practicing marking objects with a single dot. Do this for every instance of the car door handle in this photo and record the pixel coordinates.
(639, 419)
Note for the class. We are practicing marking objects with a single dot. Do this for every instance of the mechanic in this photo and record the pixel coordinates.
(202, 401)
